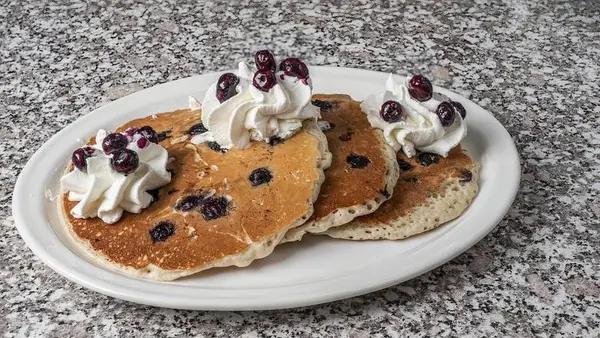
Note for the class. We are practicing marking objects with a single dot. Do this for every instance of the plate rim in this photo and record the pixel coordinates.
(242, 301)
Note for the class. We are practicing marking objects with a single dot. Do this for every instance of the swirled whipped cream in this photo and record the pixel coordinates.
(421, 129)
(256, 112)
(104, 192)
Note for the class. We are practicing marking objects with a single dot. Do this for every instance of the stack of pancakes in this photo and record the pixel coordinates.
(337, 177)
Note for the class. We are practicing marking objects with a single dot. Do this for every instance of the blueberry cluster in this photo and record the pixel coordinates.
(211, 207)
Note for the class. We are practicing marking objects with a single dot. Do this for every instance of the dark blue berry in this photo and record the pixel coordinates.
(163, 135)
(80, 156)
(215, 146)
(197, 129)
(162, 231)
(275, 140)
(347, 136)
(226, 86)
(404, 166)
(323, 105)
(459, 108)
(357, 161)
(264, 79)
(125, 161)
(114, 142)
(426, 159)
(294, 67)
(264, 59)
(155, 194)
(391, 111)
(260, 176)
(466, 175)
(214, 207)
(445, 111)
(188, 203)
(420, 88)
(148, 133)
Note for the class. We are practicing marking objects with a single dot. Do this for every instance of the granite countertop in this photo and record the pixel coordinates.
(534, 64)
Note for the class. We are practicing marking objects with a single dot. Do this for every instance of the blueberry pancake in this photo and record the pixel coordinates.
(363, 171)
(431, 191)
(220, 208)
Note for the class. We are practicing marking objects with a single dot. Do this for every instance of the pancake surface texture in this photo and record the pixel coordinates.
(431, 191)
(257, 215)
(363, 171)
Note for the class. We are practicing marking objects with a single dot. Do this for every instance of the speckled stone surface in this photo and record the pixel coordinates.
(534, 64)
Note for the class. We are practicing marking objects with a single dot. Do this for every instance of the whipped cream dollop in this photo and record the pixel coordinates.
(103, 192)
(253, 114)
(421, 130)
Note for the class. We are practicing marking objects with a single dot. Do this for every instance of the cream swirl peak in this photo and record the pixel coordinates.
(411, 119)
(259, 105)
(116, 173)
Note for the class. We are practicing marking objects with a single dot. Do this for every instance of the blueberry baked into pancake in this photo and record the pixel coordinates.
(363, 172)
(438, 180)
(167, 196)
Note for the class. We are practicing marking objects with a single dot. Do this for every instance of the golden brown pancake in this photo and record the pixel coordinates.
(431, 190)
(363, 171)
(257, 216)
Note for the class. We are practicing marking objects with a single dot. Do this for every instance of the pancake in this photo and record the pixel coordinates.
(431, 191)
(257, 216)
(363, 172)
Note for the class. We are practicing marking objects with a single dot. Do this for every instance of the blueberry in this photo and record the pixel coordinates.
(420, 88)
(426, 159)
(214, 207)
(163, 135)
(155, 194)
(459, 108)
(404, 166)
(197, 129)
(275, 140)
(113, 142)
(465, 175)
(260, 176)
(347, 136)
(264, 79)
(142, 142)
(213, 145)
(445, 111)
(357, 161)
(294, 67)
(162, 231)
(149, 133)
(391, 111)
(188, 203)
(125, 161)
(226, 86)
(80, 156)
(264, 59)
(323, 105)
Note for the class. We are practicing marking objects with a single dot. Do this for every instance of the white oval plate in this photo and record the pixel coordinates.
(318, 269)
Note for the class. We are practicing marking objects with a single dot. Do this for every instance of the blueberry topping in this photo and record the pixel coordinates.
(154, 193)
(148, 133)
(114, 142)
(264, 79)
(347, 136)
(264, 59)
(323, 105)
(260, 176)
(426, 159)
(357, 161)
(445, 111)
(162, 231)
(465, 175)
(385, 193)
(404, 166)
(213, 145)
(197, 129)
(275, 140)
(459, 108)
(411, 180)
(420, 88)
(214, 207)
(80, 156)
(226, 86)
(125, 161)
(391, 111)
(163, 135)
(294, 67)
(142, 142)
(188, 203)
